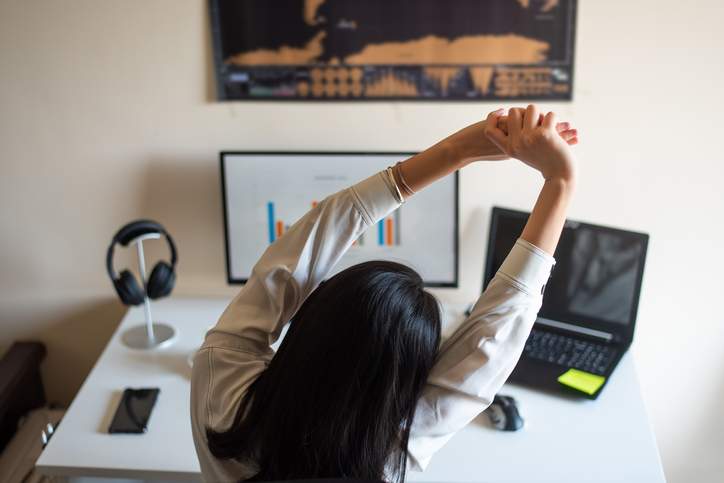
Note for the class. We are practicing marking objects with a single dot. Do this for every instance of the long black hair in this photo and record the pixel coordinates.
(338, 398)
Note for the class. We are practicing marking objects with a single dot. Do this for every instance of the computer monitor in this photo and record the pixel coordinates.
(596, 281)
(266, 192)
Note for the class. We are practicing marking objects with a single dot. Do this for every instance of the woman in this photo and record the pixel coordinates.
(360, 386)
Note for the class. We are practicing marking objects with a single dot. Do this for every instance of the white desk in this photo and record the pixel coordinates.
(564, 439)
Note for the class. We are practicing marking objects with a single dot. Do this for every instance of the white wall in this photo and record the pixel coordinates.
(107, 113)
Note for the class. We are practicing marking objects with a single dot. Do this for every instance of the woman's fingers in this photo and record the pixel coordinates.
(561, 127)
(515, 121)
(503, 123)
(569, 134)
(532, 117)
(550, 121)
(494, 132)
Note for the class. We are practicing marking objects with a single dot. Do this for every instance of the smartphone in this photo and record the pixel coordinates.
(134, 410)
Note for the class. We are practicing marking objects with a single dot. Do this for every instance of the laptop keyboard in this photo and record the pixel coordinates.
(567, 351)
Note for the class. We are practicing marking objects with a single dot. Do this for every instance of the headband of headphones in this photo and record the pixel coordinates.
(132, 230)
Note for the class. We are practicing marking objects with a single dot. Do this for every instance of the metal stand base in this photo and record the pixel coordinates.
(137, 337)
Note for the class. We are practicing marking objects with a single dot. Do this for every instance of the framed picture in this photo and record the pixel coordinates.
(394, 49)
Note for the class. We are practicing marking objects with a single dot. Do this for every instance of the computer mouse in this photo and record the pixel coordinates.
(504, 415)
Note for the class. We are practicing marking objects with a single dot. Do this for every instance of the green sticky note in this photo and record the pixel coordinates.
(581, 380)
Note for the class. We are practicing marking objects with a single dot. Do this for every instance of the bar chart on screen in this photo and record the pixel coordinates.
(277, 227)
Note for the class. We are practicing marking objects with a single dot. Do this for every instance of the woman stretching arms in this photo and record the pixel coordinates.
(360, 386)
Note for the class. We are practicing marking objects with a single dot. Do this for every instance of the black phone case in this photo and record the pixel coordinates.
(127, 419)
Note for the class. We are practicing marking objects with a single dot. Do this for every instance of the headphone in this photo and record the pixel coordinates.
(162, 278)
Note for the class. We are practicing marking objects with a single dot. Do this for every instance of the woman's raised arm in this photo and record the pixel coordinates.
(539, 146)
(476, 360)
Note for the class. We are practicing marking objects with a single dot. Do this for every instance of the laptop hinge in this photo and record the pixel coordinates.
(598, 334)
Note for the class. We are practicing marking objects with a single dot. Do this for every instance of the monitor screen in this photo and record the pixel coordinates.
(598, 271)
(265, 193)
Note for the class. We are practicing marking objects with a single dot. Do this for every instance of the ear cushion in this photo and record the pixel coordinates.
(161, 281)
(128, 289)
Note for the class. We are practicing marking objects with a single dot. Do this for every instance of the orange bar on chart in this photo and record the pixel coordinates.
(280, 228)
(390, 233)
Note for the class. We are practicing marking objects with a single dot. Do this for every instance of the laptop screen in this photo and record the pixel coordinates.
(597, 277)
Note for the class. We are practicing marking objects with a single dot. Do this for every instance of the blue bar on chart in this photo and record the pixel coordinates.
(270, 215)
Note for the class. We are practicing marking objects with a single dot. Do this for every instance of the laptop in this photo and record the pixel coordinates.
(588, 316)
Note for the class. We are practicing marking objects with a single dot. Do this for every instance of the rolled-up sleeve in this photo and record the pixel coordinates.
(475, 361)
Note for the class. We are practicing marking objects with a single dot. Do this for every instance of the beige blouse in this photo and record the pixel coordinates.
(473, 363)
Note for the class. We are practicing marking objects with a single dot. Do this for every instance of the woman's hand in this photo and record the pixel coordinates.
(471, 144)
(540, 145)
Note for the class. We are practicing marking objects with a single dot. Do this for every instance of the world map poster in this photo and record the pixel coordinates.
(394, 49)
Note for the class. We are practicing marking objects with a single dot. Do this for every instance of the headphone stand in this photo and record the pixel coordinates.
(152, 335)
